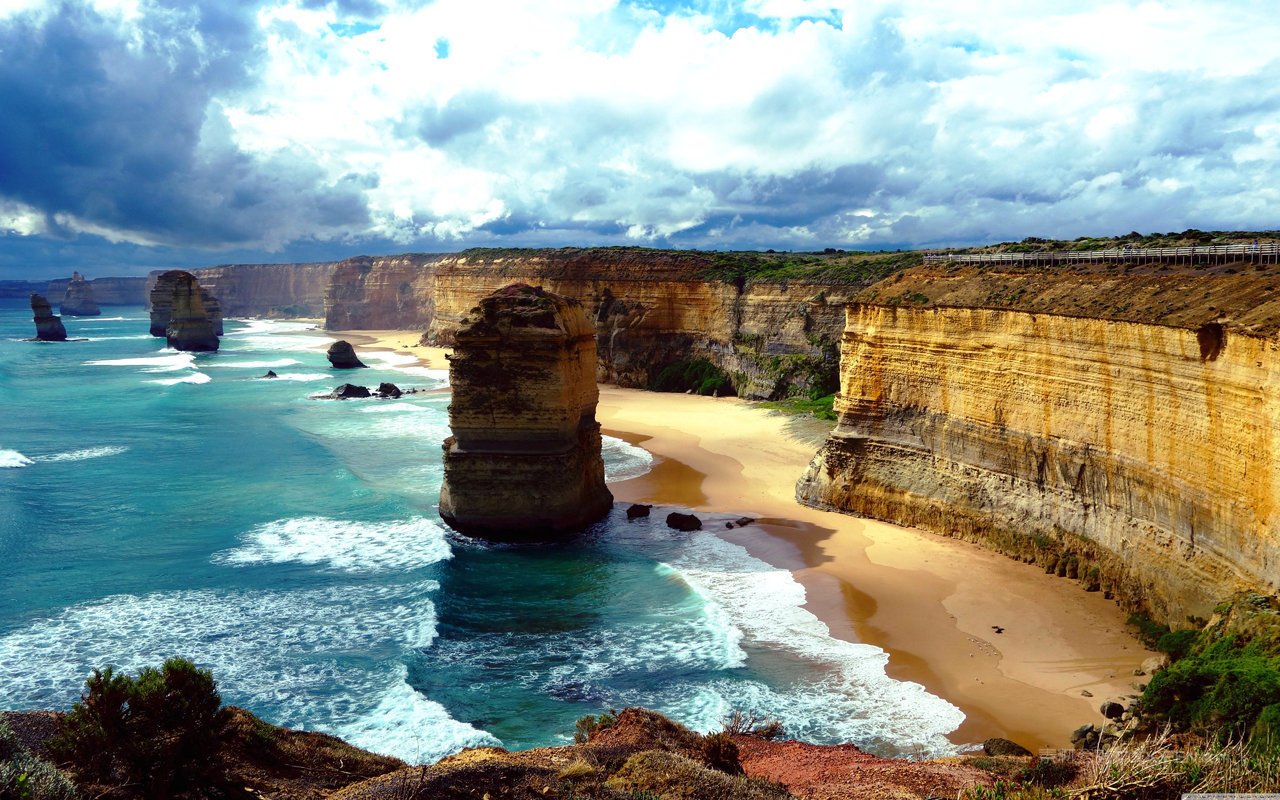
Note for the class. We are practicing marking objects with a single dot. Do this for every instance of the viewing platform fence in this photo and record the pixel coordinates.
(1207, 255)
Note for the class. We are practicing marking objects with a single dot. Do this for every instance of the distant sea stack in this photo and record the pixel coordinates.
(48, 327)
(178, 313)
(342, 355)
(78, 300)
(524, 460)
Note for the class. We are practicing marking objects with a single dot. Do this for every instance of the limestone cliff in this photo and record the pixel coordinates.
(388, 293)
(268, 290)
(178, 312)
(650, 308)
(1117, 428)
(49, 328)
(524, 459)
(78, 300)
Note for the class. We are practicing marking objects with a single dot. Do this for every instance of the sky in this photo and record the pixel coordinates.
(138, 134)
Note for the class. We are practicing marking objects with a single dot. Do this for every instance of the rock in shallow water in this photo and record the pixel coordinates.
(349, 391)
(342, 355)
(389, 390)
(48, 327)
(637, 511)
(683, 522)
(524, 460)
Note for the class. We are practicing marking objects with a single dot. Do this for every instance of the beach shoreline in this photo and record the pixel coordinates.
(1013, 648)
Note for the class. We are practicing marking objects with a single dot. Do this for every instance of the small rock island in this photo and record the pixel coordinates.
(524, 463)
(49, 328)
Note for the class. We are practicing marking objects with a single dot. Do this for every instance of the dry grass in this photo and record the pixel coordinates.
(674, 777)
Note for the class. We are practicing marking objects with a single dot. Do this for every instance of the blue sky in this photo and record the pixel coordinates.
(137, 134)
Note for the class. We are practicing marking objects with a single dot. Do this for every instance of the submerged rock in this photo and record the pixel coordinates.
(271, 373)
(78, 300)
(683, 522)
(524, 460)
(48, 327)
(342, 355)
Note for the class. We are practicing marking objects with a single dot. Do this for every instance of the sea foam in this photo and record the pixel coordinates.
(342, 545)
(322, 659)
(623, 460)
(82, 455)
(169, 362)
(12, 459)
(194, 377)
(277, 363)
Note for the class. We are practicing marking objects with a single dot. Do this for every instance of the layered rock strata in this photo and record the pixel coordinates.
(49, 328)
(178, 313)
(165, 288)
(1139, 457)
(268, 290)
(650, 309)
(78, 300)
(524, 460)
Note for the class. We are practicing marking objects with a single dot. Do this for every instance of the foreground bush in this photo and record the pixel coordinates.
(25, 777)
(158, 731)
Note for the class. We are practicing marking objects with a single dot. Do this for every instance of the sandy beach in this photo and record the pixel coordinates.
(934, 604)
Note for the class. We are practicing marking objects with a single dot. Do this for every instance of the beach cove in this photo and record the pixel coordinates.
(931, 602)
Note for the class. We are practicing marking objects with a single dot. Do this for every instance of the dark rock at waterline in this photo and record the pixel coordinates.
(78, 300)
(740, 522)
(1003, 747)
(271, 373)
(638, 510)
(342, 355)
(389, 390)
(349, 391)
(48, 327)
(683, 522)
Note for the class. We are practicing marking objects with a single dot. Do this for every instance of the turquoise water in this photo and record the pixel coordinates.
(155, 503)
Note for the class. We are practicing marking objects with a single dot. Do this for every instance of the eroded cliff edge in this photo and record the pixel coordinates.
(1116, 427)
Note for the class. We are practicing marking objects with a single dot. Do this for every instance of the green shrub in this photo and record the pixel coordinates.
(697, 375)
(590, 725)
(720, 753)
(24, 776)
(1220, 691)
(158, 731)
(1264, 737)
(1177, 643)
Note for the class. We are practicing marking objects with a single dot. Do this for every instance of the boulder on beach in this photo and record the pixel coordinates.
(48, 327)
(342, 355)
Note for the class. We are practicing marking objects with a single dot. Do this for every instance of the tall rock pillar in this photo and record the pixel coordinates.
(49, 328)
(524, 460)
(78, 300)
(178, 312)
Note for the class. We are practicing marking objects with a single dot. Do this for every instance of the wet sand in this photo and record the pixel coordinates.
(931, 602)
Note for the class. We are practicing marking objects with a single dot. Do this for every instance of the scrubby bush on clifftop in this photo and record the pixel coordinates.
(23, 776)
(158, 731)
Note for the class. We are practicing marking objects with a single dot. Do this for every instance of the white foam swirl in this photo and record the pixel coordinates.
(342, 545)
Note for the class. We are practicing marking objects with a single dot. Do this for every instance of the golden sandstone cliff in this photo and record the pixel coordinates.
(268, 290)
(1115, 426)
(524, 459)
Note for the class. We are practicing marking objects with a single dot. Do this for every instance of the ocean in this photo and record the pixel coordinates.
(156, 503)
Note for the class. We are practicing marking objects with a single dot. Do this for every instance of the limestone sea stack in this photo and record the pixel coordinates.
(342, 355)
(78, 300)
(214, 309)
(48, 327)
(524, 463)
(190, 327)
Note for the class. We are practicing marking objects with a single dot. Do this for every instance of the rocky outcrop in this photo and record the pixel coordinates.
(1135, 450)
(48, 327)
(127, 291)
(78, 300)
(178, 312)
(166, 288)
(342, 355)
(524, 459)
(268, 290)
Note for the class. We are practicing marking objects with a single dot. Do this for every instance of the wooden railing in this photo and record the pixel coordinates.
(1261, 253)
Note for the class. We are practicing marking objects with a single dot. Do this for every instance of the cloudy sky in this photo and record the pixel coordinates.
(145, 133)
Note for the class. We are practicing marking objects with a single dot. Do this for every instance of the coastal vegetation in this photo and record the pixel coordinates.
(697, 375)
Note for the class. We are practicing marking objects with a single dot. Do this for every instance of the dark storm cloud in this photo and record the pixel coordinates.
(116, 127)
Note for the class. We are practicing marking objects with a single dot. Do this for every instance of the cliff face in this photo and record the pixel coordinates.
(1139, 457)
(524, 459)
(650, 309)
(268, 290)
(389, 293)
